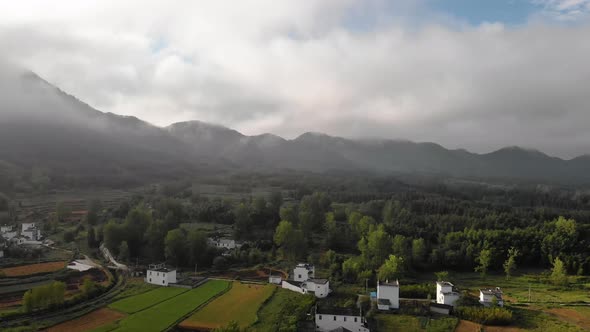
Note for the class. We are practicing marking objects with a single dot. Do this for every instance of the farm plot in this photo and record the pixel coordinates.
(165, 314)
(88, 322)
(142, 301)
(240, 304)
(31, 269)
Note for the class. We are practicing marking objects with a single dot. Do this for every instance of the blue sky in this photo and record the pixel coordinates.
(478, 11)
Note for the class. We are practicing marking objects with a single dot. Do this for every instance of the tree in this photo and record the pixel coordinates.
(243, 221)
(484, 259)
(378, 247)
(94, 208)
(88, 287)
(197, 246)
(558, 273)
(510, 263)
(442, 275)
(124, 251)
(232, 326)
(175, 244)
(290, 240)
(91, 238)
(62, 212)
(393, 268)
(28, 301)
(418, 250)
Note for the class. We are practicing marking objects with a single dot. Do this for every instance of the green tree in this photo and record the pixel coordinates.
(510, 263)
(484, 260)
(88, 287)
(558, 273)
(378, 247)
(175, 244)
(393, 268)
(442, 275)
(197, 246)
(290, 240)
(28, 301)
(91, 237)
(418, 250)
(62, 212)
(124, 251)
(243, 224)
(94, 208)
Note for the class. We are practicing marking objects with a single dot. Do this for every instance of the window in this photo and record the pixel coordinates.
(355, 319)
(320, 317)
(299, 276)
(162, 282)
(334, 317)
(345, 319)
(150, 279)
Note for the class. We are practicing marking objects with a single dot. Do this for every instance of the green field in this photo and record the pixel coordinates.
(414, 324)
(139, 302)
(283, 310)
(239, 304)
(165, 314)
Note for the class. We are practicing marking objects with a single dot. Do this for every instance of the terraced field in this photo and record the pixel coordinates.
(32, 269)
(145, 300)
(239, 304)
(167, 311)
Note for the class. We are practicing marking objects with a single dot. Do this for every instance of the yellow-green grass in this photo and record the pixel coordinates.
(135, 286)
(139, 302)
(283, 310)
(239, 304)
(408, 323)
(167, 313)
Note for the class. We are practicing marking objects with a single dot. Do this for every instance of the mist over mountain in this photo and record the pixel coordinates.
(44, 127)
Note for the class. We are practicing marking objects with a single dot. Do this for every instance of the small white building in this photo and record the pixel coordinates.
(78, 266)
(9, 235)
(303, 271)
(228, 244)
(159, 274)
(6, 228)
(487, 296)
(30, 231)
(340, 319)
(320, 288)
(388, 295)
(446, 293)
(277, 280)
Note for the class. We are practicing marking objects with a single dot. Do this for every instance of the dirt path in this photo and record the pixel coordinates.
(467, 326)
(571, 316)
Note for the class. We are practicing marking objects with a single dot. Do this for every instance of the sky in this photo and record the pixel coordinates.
(479, 75)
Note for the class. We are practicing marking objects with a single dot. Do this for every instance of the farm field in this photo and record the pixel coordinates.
(165, 314)
(240, 304)
(408, 323)
(145, 300)
(282, 311)
(88, 322)
(31, 269)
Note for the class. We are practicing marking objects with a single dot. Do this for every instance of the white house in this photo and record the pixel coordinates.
(302, 272)
(388, 295)
(339, 319)
(30, 231)
(5, 228)
(159, 274)
(228, 244)
(318, 287)
(486, 296)
(9, 235)
(277, 280)
(446, 293)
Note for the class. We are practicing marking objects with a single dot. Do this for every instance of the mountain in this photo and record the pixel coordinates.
(44, 128)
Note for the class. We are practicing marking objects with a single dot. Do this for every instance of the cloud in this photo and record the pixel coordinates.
(345, 67)
(565, 10)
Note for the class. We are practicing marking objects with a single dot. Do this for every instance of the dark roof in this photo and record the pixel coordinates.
(384, 301)
(319, 281)
(491, 291)
(441, 306)
(340, 329)
(444, 283)
(294, 283)
(338, 311)
(391, 284)
(162, 269)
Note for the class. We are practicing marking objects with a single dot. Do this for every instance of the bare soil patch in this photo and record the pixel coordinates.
(571, 316)
(89, 321)
(25, 270)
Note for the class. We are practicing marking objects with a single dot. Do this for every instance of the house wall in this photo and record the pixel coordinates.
(441, 311)
(321, 290)
(302, 274)
(390, 293)
(160, 278)
(440, 290)
(277, 280)
(450, 299)
(325, 322)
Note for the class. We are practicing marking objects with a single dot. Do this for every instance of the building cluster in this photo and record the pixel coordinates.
(28, 234)
(304, 281)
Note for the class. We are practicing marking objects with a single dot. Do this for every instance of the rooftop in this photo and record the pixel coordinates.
(389, 284)
(319, 281)
(445, 283)
(338, 311)
(492, 291)
(305, 265)
(441, 306)
(162, 269)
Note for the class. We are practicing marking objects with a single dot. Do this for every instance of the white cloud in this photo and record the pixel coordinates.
(293, 66)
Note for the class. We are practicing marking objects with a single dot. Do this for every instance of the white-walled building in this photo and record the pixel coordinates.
(486, 296)
(302, 272)
(6, 228)
(446, 293)
(30, 231)
(159, 274)
(228, 244)
(332, 319)
(388, 295)
(9, 235)
(275, 279)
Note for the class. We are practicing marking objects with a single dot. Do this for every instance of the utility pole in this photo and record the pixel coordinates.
(366, 285)
(529, 293)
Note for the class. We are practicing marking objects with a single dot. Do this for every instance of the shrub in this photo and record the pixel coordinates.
(486, 316)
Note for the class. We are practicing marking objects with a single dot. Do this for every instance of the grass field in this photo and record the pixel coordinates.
(135, 286)
(282, 311)
(139, 302)
(165, 314)
(88, 322)
(30, 269)
(414, 324)
(239, 304)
